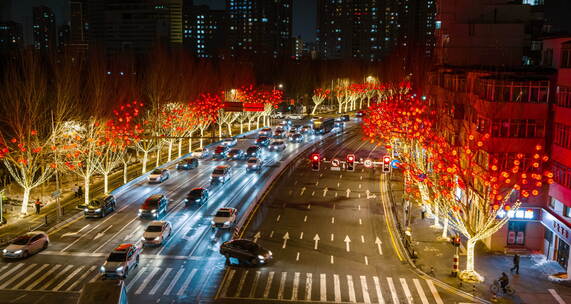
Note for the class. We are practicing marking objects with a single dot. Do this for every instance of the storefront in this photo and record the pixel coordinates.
(556, 240)
(523, 231)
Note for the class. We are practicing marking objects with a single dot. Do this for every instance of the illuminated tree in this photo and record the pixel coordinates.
(319, 95)
(205, 111)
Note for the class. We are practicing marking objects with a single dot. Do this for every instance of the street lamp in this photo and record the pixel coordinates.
(280, 86)
(370, 79)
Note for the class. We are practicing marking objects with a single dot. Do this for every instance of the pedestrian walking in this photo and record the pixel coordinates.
(423, 212)
(516, 264)
(79, 191)
(75, 189)
(38, 205)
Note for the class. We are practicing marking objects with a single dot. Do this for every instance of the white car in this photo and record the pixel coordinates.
(229, 142)
(265, 132)
(221, 174)
(254, 164)
(278, 145)
(159, 175)
(295, 116)
(121, 260)
(26, 245)
(157, 232)
(225, 217)
(201, 153)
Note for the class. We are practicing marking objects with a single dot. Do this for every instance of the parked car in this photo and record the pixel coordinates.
(230, 141)
(263, 141)
(221, 174)
(296, 138)
(254, 151)
(159, 175)
(197, 196)
(187, 164)
(121, 260)
(154, 207)
(26, 245)
(201, 153)
(100, 207)
(360, 113)
(220, 152)
(254, 164)
(157, 232)
(236, 154)
(278, 145)
(225, 217)
(265, 132)
(246, 252)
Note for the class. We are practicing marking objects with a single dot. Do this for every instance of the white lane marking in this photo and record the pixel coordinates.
(305, 219)
(332, 261)
(308, 206)
(282, 286)
(241, 284)
(359, 207)
(286, 237)
(102, 233)
(347, 242)
(268, 284)
(295, 286)
(257, 236)
(360, 221)
(351, 288)
(297, 256)
(10, 270)
(348, 192)
(308, 283)
(160, 281)
(406, 290)
(366, 260)
(271, 234)
(45, 275)
(557, 297)
(187, 282)
(420, 291)
(80, 279)
(255, 284)
(114, 237)
(332, 220)
(325, 191)
(332, 237)
(278, 218)
(378, 290)
(434, 292)
(173, 282)
(338, 185)
(56, 277)
(323, 287)
(69, 277)
(359, 186)
(29, 277)
(146, 281)
(17, 275)
(317, 183)
(302, 190)
(313, 193)
(362, 238)
(301, 236)
(378, 243)
(358, 195)
(74, 233)
(393, 290)
(361, 177)
(365, 290)
(139, 275)
(335, 194)
(337, 288)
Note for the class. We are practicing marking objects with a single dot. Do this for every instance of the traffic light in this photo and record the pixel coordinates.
(315, 162)
(386, 164)
(350, 162)
(455, 241)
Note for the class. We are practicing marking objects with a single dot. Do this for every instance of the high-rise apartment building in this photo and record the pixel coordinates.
(134, 25)
(44, 28)
(11, 36)
(259, 27)
(204, 31)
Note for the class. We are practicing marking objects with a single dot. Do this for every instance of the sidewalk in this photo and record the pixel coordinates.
(435, 257)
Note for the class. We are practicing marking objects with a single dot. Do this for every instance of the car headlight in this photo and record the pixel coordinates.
(4, 251)
(17, 251)
(212, 222)
(261, 257)
(197, 200)
(119, 269)
(98, 210)
(219, 177)
(154, 211)
(227, 223)
(102, 268)
(157, 238)
(85, 209)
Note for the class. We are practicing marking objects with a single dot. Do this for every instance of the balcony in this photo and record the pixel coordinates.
(511, 89)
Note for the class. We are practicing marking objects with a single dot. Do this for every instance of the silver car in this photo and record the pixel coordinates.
(26, 245)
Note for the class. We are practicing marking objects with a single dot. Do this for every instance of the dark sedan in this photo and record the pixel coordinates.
(245, 251)
(187, 164)
(263, 141)
(197, 196)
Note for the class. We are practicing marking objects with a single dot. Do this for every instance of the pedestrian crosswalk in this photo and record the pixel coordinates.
(145, 280)
(327, 287)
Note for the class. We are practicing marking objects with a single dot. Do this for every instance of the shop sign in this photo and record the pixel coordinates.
(520, 214)
(555, 225)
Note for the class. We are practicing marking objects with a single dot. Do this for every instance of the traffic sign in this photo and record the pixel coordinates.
(368, 163)
(395, 163)
(335, 162)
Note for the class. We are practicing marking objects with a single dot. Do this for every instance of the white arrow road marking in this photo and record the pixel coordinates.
(278, 218)
(75, 233)
(312, 193)
(297, 256)
(337, 185)
(305, 219)
(332, 261)
(359, 195)
(302, 190)
(347, 241)
(366, 260)
(316, 239)
(359, 186)
(348, 191)
(257, 236)
(102, 233)
(301, 236)
(335, 194)
(332, 220)
(317, 183)
(360, 221)
(378, 243)
(325, 191)
(362, 238)
(286, 237)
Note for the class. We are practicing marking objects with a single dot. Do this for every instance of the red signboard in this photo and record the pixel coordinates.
(230, 106)
(253, 107)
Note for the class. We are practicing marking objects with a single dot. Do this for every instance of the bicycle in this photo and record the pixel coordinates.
(496, 287)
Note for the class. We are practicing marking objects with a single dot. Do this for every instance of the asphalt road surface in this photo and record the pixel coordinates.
(329, 236)
(187, 269)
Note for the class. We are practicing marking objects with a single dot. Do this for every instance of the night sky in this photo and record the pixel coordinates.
(304, 16)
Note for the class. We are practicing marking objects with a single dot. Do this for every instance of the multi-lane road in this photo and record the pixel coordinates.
(186, 269)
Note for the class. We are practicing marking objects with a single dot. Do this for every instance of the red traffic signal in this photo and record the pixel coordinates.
(315, 163)
(315, 157)
(386, 159)
(350, 157)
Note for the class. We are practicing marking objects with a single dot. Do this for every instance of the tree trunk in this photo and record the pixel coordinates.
(169, 157)
(445, 229)
(220, 131)
(105, 182)
(86, 192)
(190, 142)
(180, 147)
(124, 172)
(229, 128)
(470, 246)
(258, 122)
(25, 200)
(241, 127)
(158, 160)
(436, 217)
(249, 125)
(145, 159)
(201, 137)
(314, 109)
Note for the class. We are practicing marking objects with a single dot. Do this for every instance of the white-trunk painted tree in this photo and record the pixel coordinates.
(319, 96)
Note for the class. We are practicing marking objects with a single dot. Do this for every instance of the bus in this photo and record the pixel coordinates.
(323, 125)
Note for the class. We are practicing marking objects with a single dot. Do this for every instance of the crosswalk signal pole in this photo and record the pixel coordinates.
(315, 162)
(350, 162)
(386, 164)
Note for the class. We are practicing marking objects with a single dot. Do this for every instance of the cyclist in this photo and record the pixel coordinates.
(504, 281)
